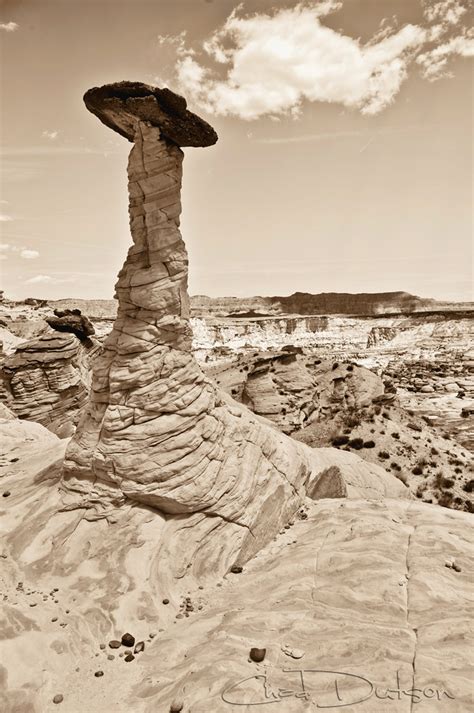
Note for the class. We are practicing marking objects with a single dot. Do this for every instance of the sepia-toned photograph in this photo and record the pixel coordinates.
(236, 356)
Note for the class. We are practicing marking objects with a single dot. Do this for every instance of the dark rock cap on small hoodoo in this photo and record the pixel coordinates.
(119, 105)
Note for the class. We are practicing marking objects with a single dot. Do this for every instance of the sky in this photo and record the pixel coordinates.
(344, 160)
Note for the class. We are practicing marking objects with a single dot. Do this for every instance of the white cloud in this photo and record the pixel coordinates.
(47, 280)
(40, 280)
(9, 26)
(5, 218)
(435, 61)
(51, 135)
(29, 254)
(270, 63)
(446, 11)
(23, 252)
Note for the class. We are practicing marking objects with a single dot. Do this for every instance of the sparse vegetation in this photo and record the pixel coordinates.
(340, 441)
(356, 443)
(383, 455)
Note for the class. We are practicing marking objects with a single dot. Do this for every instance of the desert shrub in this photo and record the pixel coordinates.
(445, 500)
(335, 366)
(234, 391)
(352, 419)
(383, 455)
(417, 470)
(386, 414)
(395, 466)
(468, 506)
(340, 441)
(414, 426)
(458, 470)
(369, 444)
(396, 436)
(378, 410)
(434, 452)
(447, 482)
(469, 486)
(350, 367)
(356, 443)
(382, 432)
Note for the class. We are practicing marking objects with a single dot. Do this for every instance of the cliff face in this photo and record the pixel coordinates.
(338, 333)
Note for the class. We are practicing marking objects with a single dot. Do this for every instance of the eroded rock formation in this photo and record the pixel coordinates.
(156, 430)
(46, 380)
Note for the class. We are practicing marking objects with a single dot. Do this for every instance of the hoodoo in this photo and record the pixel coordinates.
(156, 430)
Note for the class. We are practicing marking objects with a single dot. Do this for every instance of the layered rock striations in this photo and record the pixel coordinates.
(156, 430)
(46, 379)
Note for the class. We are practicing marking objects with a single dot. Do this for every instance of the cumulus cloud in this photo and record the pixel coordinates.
(51, 135)
(9, 26)
(270, 63)
(29, 254)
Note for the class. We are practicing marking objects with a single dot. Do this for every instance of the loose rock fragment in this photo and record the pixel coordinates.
(293, 653)
(58, 698)
(257, 655)
(176, 706)
(129, 657)
(236, 569)
(128, 640)
(139, 647)
(114, 644)
(98, 674)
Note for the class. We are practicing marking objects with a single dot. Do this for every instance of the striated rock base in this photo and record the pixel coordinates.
(156, 431)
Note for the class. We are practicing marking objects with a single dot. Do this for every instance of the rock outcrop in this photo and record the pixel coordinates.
(46, 380)
(156, 430)
(72, 321)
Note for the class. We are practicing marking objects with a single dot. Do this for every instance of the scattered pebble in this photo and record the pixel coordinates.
(152, 635)
(139, 647)
(58, 698)
(257, 655)
(114, 644)
(236, 569)
(294, 653)
(456, 567)
(111, 657)
(102, 646)
(6, 493)
(176, 706)
(166, 601)
(128, 640)
(129, 658)
(98, 674)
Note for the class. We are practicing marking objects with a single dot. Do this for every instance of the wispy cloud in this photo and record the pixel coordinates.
(47, 280)
(22, 252)
(51, 135)
(9, 26)
(270, 63)
(27, 254)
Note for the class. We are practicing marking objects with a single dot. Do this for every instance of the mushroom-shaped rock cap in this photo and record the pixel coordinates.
(119, 105)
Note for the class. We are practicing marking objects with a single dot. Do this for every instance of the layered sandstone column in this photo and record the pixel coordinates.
(156, 431)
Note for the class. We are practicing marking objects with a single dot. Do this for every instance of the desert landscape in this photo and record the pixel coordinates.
(214, 503)
(245, 477)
